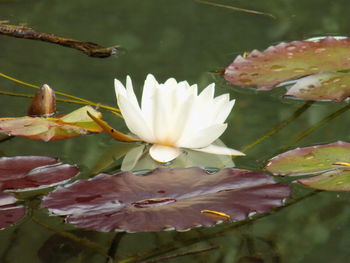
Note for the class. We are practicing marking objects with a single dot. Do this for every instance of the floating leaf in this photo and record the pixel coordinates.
(337, 180)
(10, 213)
(328, 161)
(28, 172)
(165, 199)
(287, 61)
(324, 86)
(310, 160)
(74, 124)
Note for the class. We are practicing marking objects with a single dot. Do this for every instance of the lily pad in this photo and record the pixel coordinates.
(287, 61)
(329, 162)
(165, 199)
(337, 180)
(32, 172)
(10, 213)
(310, 160)
(324, 86)
(74, 124)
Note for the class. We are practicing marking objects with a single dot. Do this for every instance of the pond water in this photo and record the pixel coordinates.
(187, 40)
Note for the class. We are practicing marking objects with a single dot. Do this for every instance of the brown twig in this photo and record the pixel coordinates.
(89, 48)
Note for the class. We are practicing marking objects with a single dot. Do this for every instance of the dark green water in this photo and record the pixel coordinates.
(185, 40)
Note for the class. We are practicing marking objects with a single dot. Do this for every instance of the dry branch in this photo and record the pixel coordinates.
(89, 48)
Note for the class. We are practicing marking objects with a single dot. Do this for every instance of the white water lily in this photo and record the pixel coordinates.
(173, 117)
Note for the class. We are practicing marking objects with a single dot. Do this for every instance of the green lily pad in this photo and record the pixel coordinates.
(330, 164)
(74, 124)
(288, 61)
(310, 160)
(337, 180)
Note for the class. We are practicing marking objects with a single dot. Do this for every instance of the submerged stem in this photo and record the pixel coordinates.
(279, 126)
(81, 241)
(255, 12)
(313, 127)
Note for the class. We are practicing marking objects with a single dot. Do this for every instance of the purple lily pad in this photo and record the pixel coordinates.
(329, 162)
(30, 172)
(165, 198)
(10, 213)
(287, 61)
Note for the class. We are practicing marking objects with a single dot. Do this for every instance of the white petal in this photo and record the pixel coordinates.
(208, 93)
(161, 114)
(147, 102)
(171, 82)
(132, 157)
(119, 88)
(134, 119)
(222, 150)
(203, 137)
(164, 154)
(225, 111)
(130, 92)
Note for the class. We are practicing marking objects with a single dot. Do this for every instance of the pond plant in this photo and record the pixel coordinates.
(175, 190)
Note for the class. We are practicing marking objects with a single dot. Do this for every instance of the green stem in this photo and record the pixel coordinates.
(312, 128)
(278, 127)
(81, 241)
(113, 110)
(235, 8)
(37, 87)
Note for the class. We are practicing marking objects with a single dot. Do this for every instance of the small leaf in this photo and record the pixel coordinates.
(76, 123)
(33, 172)
(287, 61)
(165, 199)
(309, 160)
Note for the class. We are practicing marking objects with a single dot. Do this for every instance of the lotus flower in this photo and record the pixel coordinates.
(173, 117)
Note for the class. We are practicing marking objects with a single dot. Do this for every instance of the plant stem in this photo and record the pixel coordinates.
(191, 252)
(113, 110)
(87, 102)
(312, 128)
(235, 8)
(278, 127)
(81, 241)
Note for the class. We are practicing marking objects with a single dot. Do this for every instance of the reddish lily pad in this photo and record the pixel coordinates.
(165, 199)
(287, 61)
(32, 172)
(74, 124)
(324, 86)
(329, 162)
(10, 213)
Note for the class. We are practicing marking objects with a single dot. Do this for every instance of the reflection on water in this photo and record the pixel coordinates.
(185, 40)
(136, 157)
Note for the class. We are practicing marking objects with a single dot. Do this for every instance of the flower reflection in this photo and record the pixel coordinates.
(135, 157)
(173, 117)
